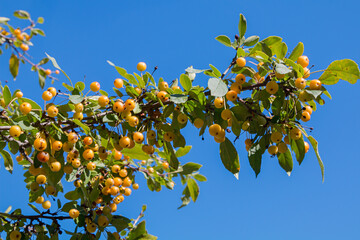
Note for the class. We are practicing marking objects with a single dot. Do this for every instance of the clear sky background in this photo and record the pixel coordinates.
(173, 35)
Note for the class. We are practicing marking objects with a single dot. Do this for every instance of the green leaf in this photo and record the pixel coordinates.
(37, 31)
(299, 148)
(185, 82)
(41, 75)
(242, 26)
(56, 65)
(217, 87)
(224, 40)
(252, 40)
(345, 69)
(200, 177)
(255, 153)
(178, 98)
(72, 195)
(314, 144)
(193, 188)
(33, 104)
(297, 52)
(282, 69)
(136, 152)
(68, 87)
(68, 206)
(75, 99)
(215, 71)
(173, 161)
(22, 14)
(82, 126)
(14, 65)
(8, 162)
(137, 232)
(80, 86)
(190, 167)
(285, 161)
(4, 19)
(120, 222)
(183, 151)
(7, 95)
(229, 156)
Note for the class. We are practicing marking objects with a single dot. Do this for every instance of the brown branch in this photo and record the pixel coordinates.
(34, 217)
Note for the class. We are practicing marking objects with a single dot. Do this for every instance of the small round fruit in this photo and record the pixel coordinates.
(79, 107)
(24, 47)
(133, 121)
(151, 134)
(231, 95)
(116, 235)
(55, 166)
(307, 146)
(47, 72)
(43, 156)
(15, 131)
(47, 96)
(115, 168)
(308, 109)
(241, 62)
(119, 199)
(226, 114)
(52, 90)
(130, 104)
(163, 86)
(141, 66)
(165, 165)
(124, 142)
(91, 166)
(91, 227)
(76, 163)
(25, 108)
(198, 123)
(315, 84)
(67, 147)
(57, 72)
(305, 116)
(103, 101)
(282, 147)
(114, 190)
(287, 140)
(138, 137)
(295, 134)
(50, 190)
(219, 102)
(127, 192)
(272, 87)
(306, 72)
(77, 183)
(78, 115)
(73, 137)
(40, 144)
(240, 78)
(40, 199)
(169, 136)
(276, 137)
(162, 95)
(52, 111)
(117, 155)
(259, 65)
(182, 118)
(118, 83)
(303, 61)
(300, 83)
(88, 140)
(88, 154)
(273, 150)
(74, 213)
(95, 86)
(41, 179)
(46, 204)
(19, 94)
(15, 235)
(118, 107)
(135, 186)
(215, 129)
(117, 181)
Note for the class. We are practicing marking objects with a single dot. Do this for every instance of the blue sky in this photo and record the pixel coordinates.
(173, 35)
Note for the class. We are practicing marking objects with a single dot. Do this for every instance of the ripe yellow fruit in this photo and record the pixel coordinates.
(303, 61)
(245, 126)
(95, 86)
(151, 134)
(79, 107)
(47, 72)
(308, 109)
(119, 199)
(163, 86)
(133, 121)
(300, 83)
(198, 123)
(295, 133)
(74, 213)
(91, 166)
(47, 96)
(305, 116)
(215, 129)
(240, 78)
(25, 108)
(103, 101)
(115, 169)
(46, 204)
(118, 83)
(236, 87)
(24, 47)
(307, 146)
(241, 62)
(52, 90)
(248, 142)
(78, 115)
(88, 154)
(135, 186)
(169, 136)
(141, 66)
(40, 199)
(41, 179)
(138, 137)
(276, 137)
(273, 150)
(127, 192)
(315, 84)
(15, 131)
(73, 137)
(19, 94)
(272, 87)
(15, 235)
(103, 221)
(162, 95)
(219, 102)
(182, 118)
(130, 104)
(124, 142)
(68, 169)
(231, 95)
(114, 190)
(118, 107)
(91, 227)
(117, 181)
(226, 114)
(282, 147)
(55, 166)
(52, 111)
